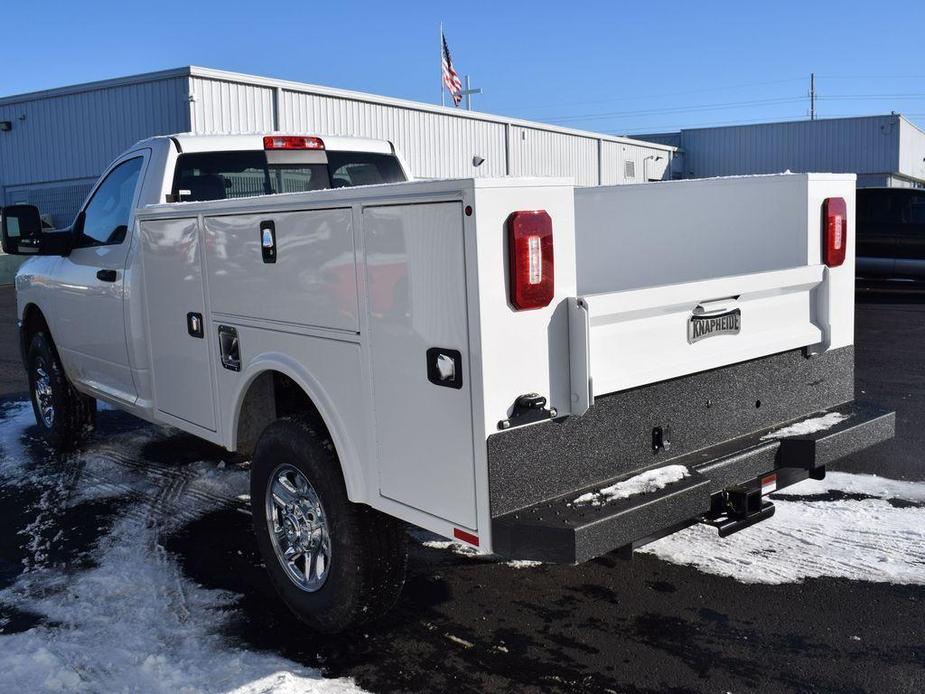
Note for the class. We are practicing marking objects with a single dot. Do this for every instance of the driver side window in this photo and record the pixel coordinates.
(107, 214)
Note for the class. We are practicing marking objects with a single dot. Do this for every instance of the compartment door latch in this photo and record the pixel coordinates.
(268, 241)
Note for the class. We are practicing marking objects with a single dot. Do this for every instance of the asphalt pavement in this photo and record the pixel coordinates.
(473, 624)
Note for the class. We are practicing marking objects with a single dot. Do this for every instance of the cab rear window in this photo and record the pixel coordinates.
(221, 175)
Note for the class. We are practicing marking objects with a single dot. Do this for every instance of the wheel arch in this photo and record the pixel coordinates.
(32, 321)
(266, 394)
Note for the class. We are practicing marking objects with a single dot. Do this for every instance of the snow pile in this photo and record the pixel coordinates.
(644, 483)
(808, 426)
(860, 527)
(133, 622)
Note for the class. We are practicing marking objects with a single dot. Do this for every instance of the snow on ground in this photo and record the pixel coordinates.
(860, 527)
(643, 483)
(133, 622)
(433, 541)
(808, 426)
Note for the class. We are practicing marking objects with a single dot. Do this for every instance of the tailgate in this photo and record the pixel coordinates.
(682, 277)
(624, 339)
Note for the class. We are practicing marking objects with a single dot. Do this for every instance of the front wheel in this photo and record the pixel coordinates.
(335, 564)
(65, 417)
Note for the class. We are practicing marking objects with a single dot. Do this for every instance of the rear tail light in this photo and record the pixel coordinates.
(292, 142)
(531, 259)
(835, 242)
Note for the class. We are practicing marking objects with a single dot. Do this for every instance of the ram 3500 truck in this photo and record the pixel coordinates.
(537, 370)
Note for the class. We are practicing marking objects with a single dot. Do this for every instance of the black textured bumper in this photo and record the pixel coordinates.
(560, 531)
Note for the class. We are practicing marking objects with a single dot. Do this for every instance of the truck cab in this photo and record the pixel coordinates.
(88, 298)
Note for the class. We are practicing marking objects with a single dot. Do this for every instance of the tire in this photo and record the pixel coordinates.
(64, 416)
(360, 555)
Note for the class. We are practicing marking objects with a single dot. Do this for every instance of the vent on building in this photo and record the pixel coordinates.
(629, 169)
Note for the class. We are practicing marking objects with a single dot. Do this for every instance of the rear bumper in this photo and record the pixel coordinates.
(561, 531)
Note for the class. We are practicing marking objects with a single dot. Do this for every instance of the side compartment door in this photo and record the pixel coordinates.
(178, 327)
(418, 337)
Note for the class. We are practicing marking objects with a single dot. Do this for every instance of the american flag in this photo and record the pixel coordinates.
(450, 78)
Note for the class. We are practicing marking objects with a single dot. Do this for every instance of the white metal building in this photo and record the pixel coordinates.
(53, 144)
(882, 150)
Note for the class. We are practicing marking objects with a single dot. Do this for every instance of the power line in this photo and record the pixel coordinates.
(872, 77)
(667, 94)
(717, 89)
(859, 97)
(679, 109)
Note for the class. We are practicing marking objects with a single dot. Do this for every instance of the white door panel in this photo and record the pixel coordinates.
(171, 258)
(90, 284)
(313, 273)
(416, 286)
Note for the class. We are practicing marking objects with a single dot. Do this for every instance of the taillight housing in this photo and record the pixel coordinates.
(835, 231)
(292, 142)
(532, 264)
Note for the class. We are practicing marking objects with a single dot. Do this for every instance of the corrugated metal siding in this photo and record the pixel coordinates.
(543, 153)
(433, 144)
(643, 163)
(911, 150)
(850, 145)
(229, 107)
(76, 135)
(60, 200)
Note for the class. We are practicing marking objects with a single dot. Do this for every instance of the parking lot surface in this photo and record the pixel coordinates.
(130, 565)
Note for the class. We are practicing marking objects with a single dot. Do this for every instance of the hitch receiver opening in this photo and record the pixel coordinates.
(738, 507)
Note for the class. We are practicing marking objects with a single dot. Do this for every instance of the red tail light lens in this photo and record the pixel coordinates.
(292, 142)
(835, 242)
(531, 259)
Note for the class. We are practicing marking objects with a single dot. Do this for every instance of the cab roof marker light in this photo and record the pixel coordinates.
(292, 142)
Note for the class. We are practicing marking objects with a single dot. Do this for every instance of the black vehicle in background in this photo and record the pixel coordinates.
(891, 233)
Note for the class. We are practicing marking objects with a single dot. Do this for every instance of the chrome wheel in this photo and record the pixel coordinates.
(42, 392)
(298, 528)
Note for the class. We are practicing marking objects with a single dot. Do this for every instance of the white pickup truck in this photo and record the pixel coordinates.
(537, 370)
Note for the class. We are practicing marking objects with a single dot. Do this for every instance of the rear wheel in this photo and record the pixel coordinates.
(335, 564)
(65, 417)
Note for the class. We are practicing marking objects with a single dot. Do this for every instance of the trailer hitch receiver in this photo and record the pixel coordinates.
(737, 508)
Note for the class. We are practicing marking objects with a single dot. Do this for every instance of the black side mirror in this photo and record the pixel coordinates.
(22, 232)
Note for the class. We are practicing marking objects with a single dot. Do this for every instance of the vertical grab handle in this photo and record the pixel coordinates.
(268, 241)
(229, 347)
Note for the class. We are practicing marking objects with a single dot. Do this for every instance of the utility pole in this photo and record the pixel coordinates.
(812, 96)
(468, 92)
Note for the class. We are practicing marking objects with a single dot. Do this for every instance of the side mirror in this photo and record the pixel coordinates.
(22, 229)
(22, 232)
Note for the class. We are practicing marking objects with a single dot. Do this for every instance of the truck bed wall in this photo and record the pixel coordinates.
(630, 237)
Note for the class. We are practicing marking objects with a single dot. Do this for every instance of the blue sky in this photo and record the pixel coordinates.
(610, 66)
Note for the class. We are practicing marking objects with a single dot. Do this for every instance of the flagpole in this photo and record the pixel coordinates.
(442, 93)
